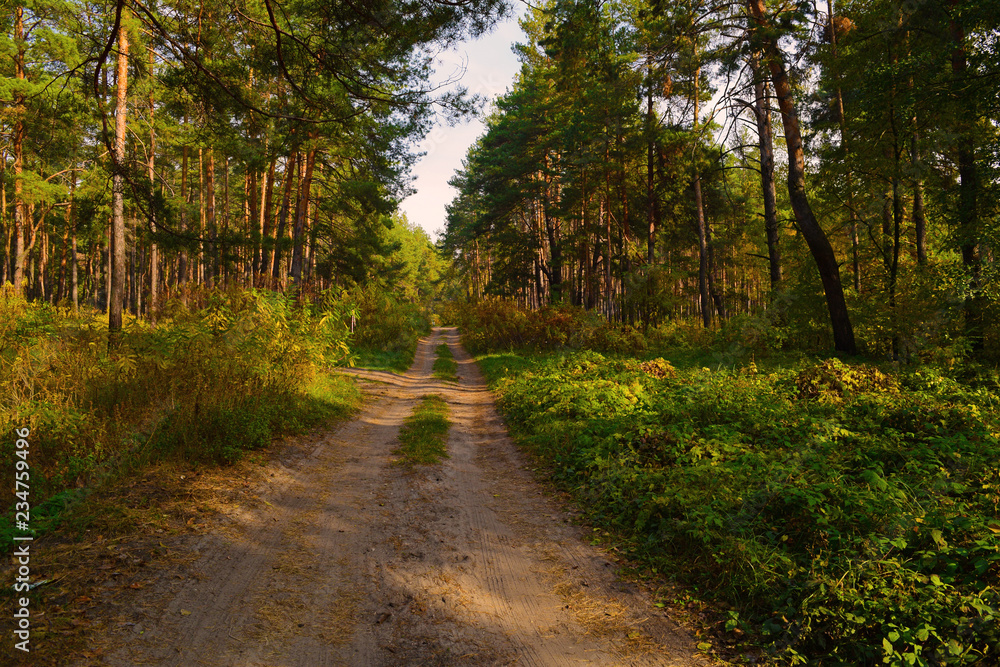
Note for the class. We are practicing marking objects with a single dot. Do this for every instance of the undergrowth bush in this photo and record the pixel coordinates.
(493, 324)
(206, 383)
(384, 322)
(847, 515)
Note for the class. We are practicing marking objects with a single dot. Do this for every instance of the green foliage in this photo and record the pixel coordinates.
(396, 361)
(445, 367)
(492, 324)
(206, 384)
(833, 380)
(849, 515)
(423, 437)
(384, 322)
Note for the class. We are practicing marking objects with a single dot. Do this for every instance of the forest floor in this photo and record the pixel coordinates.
(329, 552)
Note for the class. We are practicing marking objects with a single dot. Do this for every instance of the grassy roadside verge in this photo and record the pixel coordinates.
(832, 512)
(423, 436)
(396, 361)
(213, 381)
(134, 448)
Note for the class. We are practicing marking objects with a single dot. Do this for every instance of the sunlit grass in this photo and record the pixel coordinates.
(423, 437)
(396, 361)
(445, 367)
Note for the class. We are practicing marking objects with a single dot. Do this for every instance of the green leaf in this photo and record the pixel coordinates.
(939, 539)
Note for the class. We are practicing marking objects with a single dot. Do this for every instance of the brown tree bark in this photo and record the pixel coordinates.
(211, 224)
(286, 196)
(117, 295)
(650, 191)
(765, 141)
(64, 251)
(301, 209)
(182, 260)
(819, 244)
(267, 193)
(919, 218)
(968, 224)
(852, 210)
(705, 288)
(20, 223)
(154, 258)
(202, 273)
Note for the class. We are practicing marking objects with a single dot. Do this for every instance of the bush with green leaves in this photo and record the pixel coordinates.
(848, 515)
(495, 324)
(384, 322)
(208, 383)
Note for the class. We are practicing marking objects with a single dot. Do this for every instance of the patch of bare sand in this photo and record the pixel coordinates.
(338, 557)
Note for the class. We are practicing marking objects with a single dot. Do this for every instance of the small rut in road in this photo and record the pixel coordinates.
(352, 560)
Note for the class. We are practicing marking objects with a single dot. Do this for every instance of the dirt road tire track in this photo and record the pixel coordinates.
(352, 560)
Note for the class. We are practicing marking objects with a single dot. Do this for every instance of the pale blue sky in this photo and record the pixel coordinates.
(491, 67)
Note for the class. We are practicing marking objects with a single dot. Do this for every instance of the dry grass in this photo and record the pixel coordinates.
(602, 617)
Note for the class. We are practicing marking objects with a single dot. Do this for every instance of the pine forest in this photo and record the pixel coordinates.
(728, 268)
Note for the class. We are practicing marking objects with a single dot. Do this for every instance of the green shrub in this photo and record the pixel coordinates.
(217, 376)
(849, 516)
(383, 322)
(493, 324)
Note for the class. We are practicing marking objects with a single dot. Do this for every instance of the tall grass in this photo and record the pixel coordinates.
(207, 384)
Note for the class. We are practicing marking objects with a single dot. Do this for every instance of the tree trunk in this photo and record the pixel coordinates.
(64, 255)
(74, 287)
(968, 223)
(852, 210)
(43, 257)
(182, 260)
(267, 192)
(819, 244)
(919, 219)
(5, 268)
(252, 207)
(212, 259)
(765, 140)
(301, 209)
(107, 267)
(202, 274)
(154, 258)
(704, 274)
(650, 192)
(20, 224)
(223, 251)
(286, 196)
(117, 295)
(131, 295)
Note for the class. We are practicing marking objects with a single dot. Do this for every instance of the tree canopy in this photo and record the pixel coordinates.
(629, 168)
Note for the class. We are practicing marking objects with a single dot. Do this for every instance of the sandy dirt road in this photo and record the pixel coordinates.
(350, 559)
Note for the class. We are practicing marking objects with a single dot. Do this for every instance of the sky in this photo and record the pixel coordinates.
(490, 69)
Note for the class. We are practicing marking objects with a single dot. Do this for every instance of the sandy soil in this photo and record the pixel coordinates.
(342, 557)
